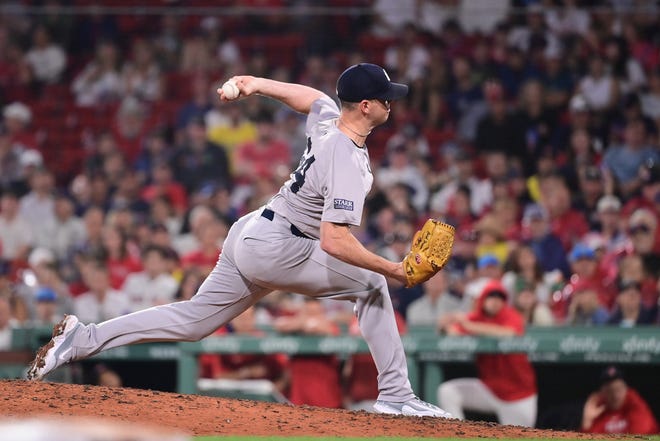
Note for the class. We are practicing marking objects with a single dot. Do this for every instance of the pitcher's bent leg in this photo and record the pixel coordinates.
(308, 270)
(223, 295)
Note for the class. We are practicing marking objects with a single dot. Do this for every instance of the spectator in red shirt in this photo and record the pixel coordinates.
(585, 271)
(164, 185)
(211, 236)
(120, 258)
(17, 118)
(616, 408)
(506, 383)
(266, 156)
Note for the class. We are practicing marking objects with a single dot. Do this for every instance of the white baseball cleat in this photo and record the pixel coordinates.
(414, 407)
(57, 351)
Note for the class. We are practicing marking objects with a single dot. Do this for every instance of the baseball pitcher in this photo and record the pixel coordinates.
(301, 242)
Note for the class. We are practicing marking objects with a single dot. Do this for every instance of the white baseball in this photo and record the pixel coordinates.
(230, 90)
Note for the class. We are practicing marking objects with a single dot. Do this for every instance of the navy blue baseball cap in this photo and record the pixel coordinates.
(367, 81)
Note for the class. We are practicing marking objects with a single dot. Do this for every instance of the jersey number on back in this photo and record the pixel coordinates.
(306, 161)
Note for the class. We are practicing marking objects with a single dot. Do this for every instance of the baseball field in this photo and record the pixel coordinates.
(202, 418)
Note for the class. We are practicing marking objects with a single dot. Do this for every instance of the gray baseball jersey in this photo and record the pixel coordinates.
(332, 179)
(263, 253)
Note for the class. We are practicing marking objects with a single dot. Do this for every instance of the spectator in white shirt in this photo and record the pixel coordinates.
(65, 230)
(6, 325)
(153, 286)
(15, 233)
(436, 302)
(38, 206)
(101, 302)
(100, 81)
(46, 59)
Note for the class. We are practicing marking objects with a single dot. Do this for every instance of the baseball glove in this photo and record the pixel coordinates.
(430, 251)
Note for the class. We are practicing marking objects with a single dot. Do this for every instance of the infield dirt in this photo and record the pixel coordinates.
(200, 415)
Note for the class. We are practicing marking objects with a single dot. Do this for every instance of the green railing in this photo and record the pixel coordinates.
(426, 350)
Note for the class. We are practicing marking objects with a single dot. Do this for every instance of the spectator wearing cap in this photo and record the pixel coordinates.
(643, 233)
(581, 118)
(16, 235)
(488, 268)
(624, 160)
(617, 408)
(630, 311)
(546, 245)
(490, 238)
(43, 272)
(17, 118)
(46, 311)
(610, 223)
(506, 383)
(584, 306)
(38, 206)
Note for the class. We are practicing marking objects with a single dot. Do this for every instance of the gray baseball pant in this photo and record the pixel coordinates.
(259, 256)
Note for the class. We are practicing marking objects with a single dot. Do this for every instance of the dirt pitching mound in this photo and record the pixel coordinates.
(199, 415)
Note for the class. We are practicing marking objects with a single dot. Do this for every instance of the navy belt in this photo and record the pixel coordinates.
(270, 215)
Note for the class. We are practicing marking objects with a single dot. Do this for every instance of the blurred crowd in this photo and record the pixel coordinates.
(532, 126)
